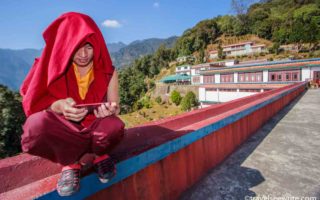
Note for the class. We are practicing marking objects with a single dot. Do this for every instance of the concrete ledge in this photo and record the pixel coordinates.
(168, 155)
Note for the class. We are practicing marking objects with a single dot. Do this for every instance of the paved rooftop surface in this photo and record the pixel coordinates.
(281, 160)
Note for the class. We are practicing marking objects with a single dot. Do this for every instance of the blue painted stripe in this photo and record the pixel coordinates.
(90, 184)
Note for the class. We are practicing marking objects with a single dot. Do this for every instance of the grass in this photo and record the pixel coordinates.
(146, 115)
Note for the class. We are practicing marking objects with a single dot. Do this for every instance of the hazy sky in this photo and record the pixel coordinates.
(23, 21)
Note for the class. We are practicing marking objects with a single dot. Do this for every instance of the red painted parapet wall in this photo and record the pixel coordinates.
(157, 160)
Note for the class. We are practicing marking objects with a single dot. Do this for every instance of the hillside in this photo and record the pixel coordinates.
(136, 49)
(271, 22)
(158, 111)
(15, 65)
(279, 21)
(114, 47)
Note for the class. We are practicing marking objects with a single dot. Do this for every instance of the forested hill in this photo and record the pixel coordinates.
(280, 21)
(126, 55)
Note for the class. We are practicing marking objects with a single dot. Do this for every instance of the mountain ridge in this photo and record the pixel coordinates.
(16, 63)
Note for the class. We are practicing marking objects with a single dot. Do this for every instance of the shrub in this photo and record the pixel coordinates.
(137, 105)
(189, 101)
(175, 97)
(146, 102)
(152, 85)
(158, 100)
(12, 118)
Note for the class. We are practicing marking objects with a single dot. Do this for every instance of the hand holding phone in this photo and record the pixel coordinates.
(102, 109)
(89, 106)
(106, 109)
(66, 107)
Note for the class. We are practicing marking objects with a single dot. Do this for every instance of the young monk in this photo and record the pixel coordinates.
(74, 68)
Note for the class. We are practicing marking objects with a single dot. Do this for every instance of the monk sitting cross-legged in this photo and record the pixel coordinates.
(74, 68)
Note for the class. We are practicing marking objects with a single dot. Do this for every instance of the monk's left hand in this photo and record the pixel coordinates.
(106, 109)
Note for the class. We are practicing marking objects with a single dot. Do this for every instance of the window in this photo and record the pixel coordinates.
(287, 77)
(273, 77)
(226, 78)
(196, 79)
(241, 77)
(258, 77)
(249, 90)
(227, 90)
(295, 77)
(208, 79)
(279, 77)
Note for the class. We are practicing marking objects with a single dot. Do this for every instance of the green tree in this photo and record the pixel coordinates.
(226, 24)
(131, 87)
(306, 27)
(158, 100)
(263, 29)
(12, 118)
(189, 101)
(275, 48)
(175, 97)
(240, 25)
(220, 52)
(197, 38)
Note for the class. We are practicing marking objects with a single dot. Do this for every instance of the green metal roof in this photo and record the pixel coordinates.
(174, 78)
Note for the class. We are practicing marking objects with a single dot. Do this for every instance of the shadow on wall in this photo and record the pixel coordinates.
(230, 180)
(142, 138)
(136, 140)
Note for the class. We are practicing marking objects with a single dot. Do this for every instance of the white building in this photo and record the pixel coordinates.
(183, 59)
(222, 84)
(239, 49)
(183, 69)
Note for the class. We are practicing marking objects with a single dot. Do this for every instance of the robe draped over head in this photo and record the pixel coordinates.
(51, 77)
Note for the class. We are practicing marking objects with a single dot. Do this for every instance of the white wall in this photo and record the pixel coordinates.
(217, 96)
(235, 77)
(265, 75)
(201, 79)
(193, 71)
(217, 78)
(305, 74)
(229, 63)
(202, 94)
(228, 96)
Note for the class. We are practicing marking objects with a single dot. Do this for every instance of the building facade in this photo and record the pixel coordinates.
(239, 49)
(221, 84)
(183, 69)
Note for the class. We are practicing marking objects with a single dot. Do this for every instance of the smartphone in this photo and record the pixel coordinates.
(90, 106)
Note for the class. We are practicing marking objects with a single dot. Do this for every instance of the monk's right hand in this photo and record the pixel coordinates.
(67, 109)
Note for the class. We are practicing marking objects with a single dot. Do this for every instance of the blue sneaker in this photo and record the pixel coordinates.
(69, 181)
(105, 168)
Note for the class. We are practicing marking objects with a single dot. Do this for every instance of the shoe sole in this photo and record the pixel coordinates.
(102, 180)
(69, 193)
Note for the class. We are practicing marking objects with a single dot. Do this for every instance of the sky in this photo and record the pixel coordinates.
(22, 22)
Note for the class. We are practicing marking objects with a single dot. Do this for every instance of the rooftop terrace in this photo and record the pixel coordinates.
(281, 159)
